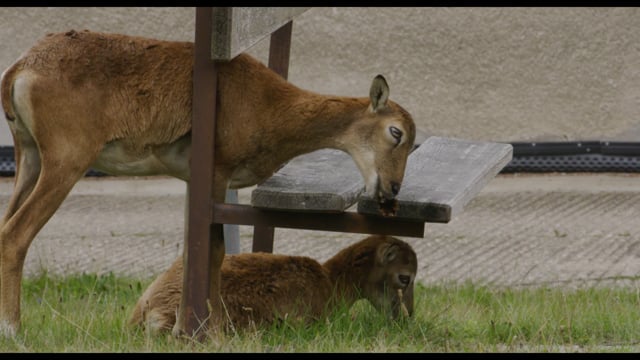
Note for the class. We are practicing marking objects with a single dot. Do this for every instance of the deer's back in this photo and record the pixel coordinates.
(256, 287)
(138, 91)
(121, 87)
(265, 287)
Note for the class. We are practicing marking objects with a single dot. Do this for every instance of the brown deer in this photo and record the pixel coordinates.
(262, 288)
(122, 105)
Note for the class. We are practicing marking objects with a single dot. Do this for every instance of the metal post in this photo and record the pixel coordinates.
(196, 278)
(232, 232)
(279, 51)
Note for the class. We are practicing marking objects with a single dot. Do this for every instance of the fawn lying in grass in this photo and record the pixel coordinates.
(260, 288)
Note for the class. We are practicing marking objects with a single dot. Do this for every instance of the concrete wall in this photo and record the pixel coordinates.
(499, 74)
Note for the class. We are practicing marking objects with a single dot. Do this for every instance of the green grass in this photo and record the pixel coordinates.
(88, 313)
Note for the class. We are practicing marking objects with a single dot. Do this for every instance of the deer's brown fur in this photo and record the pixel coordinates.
(260, 288)
(122, 104)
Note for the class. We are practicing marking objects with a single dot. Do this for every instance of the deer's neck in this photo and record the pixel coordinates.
(313, 121)
(348, 274)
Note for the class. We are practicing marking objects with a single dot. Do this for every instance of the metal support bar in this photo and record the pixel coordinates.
(350, 222)
(196, 278)
(279, 50)
(263, 238)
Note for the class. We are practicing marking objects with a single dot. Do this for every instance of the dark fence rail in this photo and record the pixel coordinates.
(578, 156)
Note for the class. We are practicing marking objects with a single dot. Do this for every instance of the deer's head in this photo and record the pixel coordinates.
(390, 282)
(382, 140)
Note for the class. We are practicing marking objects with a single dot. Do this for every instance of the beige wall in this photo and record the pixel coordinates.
(479, 73)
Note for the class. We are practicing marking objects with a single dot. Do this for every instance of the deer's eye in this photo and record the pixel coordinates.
(395, 133)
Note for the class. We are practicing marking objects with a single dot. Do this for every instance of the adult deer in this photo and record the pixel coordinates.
(122, 105)
(263, 288)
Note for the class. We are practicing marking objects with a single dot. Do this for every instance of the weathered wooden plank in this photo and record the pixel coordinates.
(442, 176)
(235, 29)
(323, 180)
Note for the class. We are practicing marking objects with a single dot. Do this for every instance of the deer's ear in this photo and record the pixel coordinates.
(386, 253)
(379, 93)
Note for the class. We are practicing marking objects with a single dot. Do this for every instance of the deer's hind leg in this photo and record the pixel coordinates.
(27, 161)
(47, 169)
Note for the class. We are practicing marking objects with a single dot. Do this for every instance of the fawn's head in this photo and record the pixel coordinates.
(388, 269)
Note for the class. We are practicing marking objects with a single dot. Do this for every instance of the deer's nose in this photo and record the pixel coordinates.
(404, 279)
(395, 188)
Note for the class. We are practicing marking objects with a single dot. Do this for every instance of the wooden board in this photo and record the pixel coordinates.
(442, 176)
(324, 180)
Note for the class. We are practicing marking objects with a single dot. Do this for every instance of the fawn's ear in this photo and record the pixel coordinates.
(379, 93)
(386, 253)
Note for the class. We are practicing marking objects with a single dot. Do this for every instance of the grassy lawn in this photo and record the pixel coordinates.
(88, 313)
